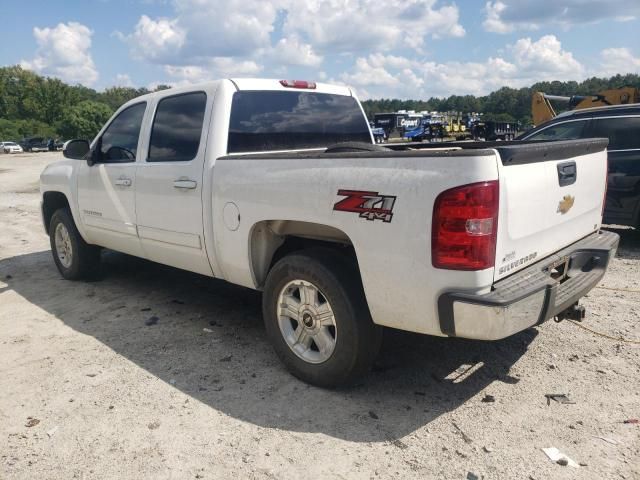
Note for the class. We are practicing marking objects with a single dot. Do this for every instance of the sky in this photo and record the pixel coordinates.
(383, 48)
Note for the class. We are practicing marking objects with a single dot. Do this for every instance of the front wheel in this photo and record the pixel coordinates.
(317, 318)
(74, 257)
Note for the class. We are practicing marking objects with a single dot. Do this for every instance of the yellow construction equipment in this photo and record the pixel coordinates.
(542, 110)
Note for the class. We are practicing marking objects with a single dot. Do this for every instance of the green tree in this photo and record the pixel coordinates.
(84, 120)
(116, 96)
(18, 129)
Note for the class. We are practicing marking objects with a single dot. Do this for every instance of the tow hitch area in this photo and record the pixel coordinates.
(574, 312)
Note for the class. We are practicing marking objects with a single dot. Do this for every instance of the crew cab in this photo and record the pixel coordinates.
(621, 125)
(278, 186)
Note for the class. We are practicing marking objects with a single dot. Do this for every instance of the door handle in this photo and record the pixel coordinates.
(185, 183)
(123, 182)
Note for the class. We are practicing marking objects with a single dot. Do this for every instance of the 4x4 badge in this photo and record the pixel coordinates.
(565, 204)
(370, 205)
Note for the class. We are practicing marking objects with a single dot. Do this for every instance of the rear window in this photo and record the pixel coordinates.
(267, 121)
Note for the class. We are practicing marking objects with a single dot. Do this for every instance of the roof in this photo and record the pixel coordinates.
(617, 109)
(243, 84)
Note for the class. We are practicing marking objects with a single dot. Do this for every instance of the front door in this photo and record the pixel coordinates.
(106, 189)
(169, 183)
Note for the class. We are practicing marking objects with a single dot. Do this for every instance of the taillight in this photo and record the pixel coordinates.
(465, 222)
(298, 84)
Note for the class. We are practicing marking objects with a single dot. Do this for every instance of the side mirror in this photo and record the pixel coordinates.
(76, 149)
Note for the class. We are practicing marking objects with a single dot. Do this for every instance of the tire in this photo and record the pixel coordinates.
(74, 257)
(348, 340)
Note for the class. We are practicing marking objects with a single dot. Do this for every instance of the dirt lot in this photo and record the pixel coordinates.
(88, 390)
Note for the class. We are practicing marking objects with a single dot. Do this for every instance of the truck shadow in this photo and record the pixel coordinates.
(209, 342)
(629, 247)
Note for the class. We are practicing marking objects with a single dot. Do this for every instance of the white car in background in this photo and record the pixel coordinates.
(10, 147)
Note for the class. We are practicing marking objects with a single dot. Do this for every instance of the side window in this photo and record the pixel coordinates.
(623, 132)
(561, 131)
(120, 139)
(177, 128)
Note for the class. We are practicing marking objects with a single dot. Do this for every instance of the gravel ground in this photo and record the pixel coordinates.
(89, 390)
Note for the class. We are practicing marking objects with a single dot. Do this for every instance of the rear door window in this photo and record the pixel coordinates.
(623, 132)
(264, 121)
(177, 128)
(561, 131)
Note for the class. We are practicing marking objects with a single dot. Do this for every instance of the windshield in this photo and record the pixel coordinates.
(263, 121)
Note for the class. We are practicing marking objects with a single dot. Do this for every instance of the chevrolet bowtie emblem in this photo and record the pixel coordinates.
(565, 204)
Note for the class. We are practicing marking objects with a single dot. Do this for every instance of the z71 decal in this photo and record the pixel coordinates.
(370, 205)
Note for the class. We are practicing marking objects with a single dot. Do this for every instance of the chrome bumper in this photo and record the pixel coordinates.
(530, 296)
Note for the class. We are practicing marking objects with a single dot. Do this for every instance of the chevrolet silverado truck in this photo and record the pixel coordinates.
(278, 186)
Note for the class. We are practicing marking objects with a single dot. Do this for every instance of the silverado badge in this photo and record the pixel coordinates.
(565, 204)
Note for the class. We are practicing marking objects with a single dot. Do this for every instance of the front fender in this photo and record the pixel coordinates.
(62, 177)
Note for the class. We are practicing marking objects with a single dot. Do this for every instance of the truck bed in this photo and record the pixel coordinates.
(401, 283)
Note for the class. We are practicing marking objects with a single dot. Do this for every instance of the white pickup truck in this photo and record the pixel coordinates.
(277, 186)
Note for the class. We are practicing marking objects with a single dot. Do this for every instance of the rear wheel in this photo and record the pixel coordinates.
(74, 257)
(317, 319)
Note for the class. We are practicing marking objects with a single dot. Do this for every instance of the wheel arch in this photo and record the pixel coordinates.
(52, 201)
(270, 240)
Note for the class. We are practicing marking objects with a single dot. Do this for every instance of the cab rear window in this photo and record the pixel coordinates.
(263, 121)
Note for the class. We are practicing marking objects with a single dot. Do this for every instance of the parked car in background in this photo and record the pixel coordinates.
(10, 147)
(40, 147)
(621, 125)
(34, 144)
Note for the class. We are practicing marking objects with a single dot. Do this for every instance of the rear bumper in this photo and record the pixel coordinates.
(530, 296)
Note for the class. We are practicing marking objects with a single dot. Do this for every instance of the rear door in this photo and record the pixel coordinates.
(551, 195)
(169, 182)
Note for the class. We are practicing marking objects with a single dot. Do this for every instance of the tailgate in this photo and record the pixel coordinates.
(551, 195)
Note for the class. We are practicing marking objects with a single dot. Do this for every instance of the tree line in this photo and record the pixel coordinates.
(36, 106)
(32, 105)
(506, 104)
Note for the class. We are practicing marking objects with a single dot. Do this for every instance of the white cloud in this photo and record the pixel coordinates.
(123, 80)
(367, 73)
(65, 52)
(493, 22)
(291, 51)
(504, 16)
(546, 59)
(618, 61)
(353, 25)
(202, 30)
(528, 62)
(215, 68)
(155, 40)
